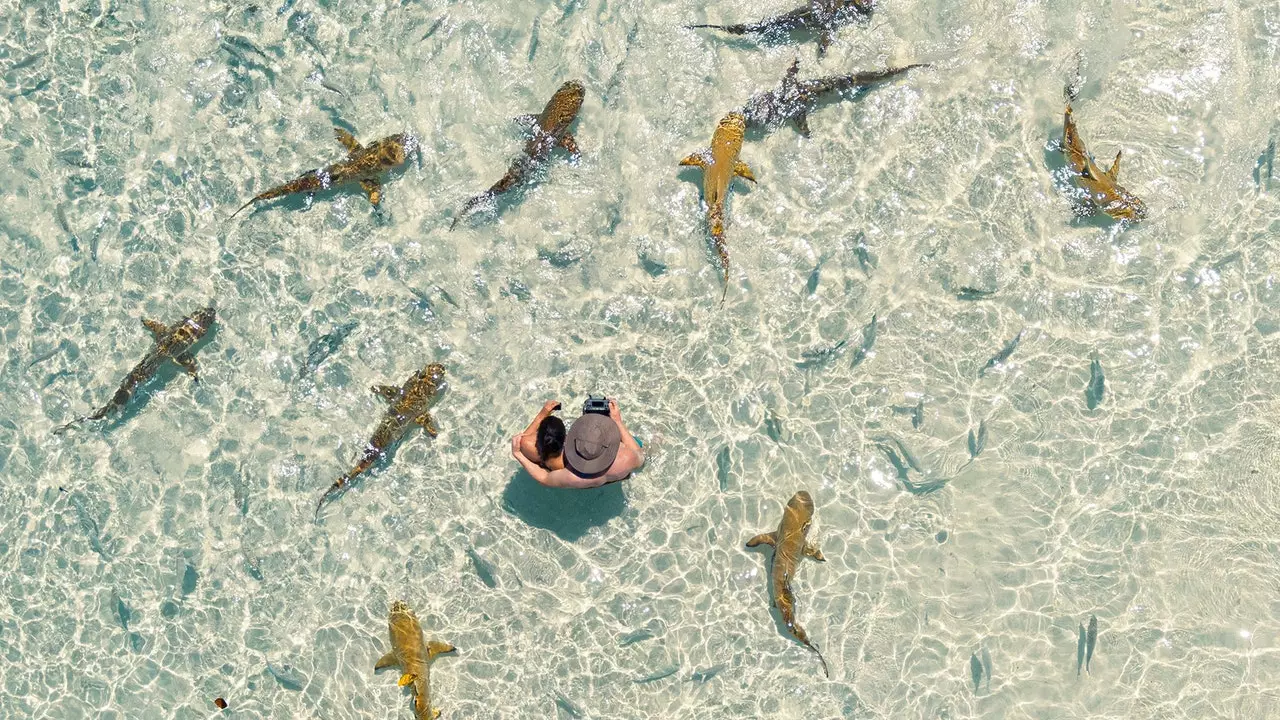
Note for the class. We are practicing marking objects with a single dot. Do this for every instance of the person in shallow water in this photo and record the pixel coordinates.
(596, 450)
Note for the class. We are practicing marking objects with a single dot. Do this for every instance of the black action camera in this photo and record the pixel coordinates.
(598, 405)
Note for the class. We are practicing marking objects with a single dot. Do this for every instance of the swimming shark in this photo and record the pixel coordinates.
(720, 164)
(789, 545)
(794, 99)
(409, 405)
(823, 17)
(547, 131)
(413, 656)
(172, 342)
(364, 164)
(1103, 192)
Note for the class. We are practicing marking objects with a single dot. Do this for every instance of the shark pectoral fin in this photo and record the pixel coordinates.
(528, 123)
(570, 144)
(390, 393)
(188, 362)
(406, 679)
(811, 549)
(802, 124)
(372, 190)
(437, 647)
(695, 160)
(386, 661)
(157, 328)
(794, 69)
(763, 539)
(741, 170)
(1114, 172)
(347, 140)
(428, 424)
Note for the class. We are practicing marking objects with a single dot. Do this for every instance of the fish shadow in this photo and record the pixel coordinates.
(569, 513)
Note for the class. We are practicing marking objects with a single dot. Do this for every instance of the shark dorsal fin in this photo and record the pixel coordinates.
(1114, 172)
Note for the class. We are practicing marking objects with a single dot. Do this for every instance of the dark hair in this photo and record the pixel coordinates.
(550, 440)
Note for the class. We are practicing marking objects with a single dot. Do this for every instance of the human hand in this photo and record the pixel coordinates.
(515, 447)
(613, 410)
(550, 406)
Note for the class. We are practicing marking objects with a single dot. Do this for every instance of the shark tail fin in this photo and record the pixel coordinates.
(242, 207)
(68, 426)
(826, 671)
(334, 489)
(731, 29)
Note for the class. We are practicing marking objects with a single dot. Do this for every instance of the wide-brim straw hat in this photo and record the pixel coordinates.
(592, 444)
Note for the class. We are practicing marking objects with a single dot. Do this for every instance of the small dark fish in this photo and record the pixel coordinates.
(1266, 160)
(60, 214)
(189, 578)
(904, 464)
(773, 425)
(979, 441)
(651, 266)
(434, 27)
(533, 39)
(1004, 353)
(863, 253)
(986, 665)
(46, 355)
(447, 297)
(252, 567)
(917, 416)
(975, 670)
(519, 291)
(723, 466)
(971, 293)
(819, 357)
(28, 62)
(123, 613)
(88, 524)
(815, 277)
(562, 258)
(664, 673)
(705, 675)
(322, 347)
(1080, 644)
(288, 677)
(484, 568)
(1097, 386)
(1091, 641)
(636, 636)
(568, 706)
(868, 341)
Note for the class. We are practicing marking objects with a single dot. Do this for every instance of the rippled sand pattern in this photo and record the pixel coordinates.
(150, 565)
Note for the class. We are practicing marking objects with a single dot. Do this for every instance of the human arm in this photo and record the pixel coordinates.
(628, 441)
(548, 407)
(536, 471)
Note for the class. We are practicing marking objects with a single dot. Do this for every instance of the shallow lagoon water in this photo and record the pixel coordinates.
(156, 563)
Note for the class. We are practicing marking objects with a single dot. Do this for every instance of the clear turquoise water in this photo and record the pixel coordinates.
(161, 562)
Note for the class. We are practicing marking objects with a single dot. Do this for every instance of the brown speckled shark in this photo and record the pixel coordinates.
(789, 545)
(1103, 191)
(364, 164)
(823, 17)
(413, 656)
(172, 342)
(794, 99)
(547, 130)
(720, 164)
(409, 405)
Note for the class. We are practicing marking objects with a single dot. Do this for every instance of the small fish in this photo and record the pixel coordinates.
(533, 39)
(972, 293)
(664, 673)
(773, 425)
(446, 296)
(868, 341)
(1266, 160)
(288, 676)
(322, 347)
(1090, 641)
(28, 61)
(819, 357)
(636, 636)
(60, 214)
(1080, 645)
(434, 27)
(1004, 353)
(88, 524)
(702, 676)
(723, 467)
(252, 567)
(46, 355)
(977, 441)
(863, 253)
(975, 670)
(815, 276)
(562, 258)
(568, 706)
(986, 665)
(484, 568)
(917, 416)
(651, 266)
(190, 578)
(518, 290)
(1097, 386)
(123, 613)
(904, 463)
